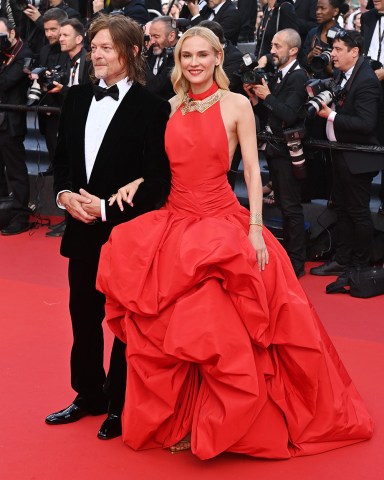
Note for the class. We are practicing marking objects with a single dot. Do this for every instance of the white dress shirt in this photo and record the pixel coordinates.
(373, 51)
(329, 130)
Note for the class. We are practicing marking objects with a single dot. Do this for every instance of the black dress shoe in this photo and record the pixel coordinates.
(329, 268)
(71, 414)
(381, 209)
(16, 228)
(338, 286)
(110, 428)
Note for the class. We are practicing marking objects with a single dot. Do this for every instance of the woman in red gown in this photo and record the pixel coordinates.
(222, 343)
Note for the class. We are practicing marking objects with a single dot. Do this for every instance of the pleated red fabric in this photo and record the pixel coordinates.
(216, 348)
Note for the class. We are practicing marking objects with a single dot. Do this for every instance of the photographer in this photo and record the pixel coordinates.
(13, 90)
(30, 19)
(281, 100)
(51, 57)
(160, 61)
(354, 120)
(316, 56)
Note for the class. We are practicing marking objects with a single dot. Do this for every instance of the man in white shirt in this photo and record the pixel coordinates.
(354, 119)
(110, 134)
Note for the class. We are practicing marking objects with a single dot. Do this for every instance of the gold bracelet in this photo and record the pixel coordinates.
(256, 219)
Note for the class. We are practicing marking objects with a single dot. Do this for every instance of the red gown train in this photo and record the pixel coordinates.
(215, 347)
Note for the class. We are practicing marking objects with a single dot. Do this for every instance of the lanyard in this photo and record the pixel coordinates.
(381, 38)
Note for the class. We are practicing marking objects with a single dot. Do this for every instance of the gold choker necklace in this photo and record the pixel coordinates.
(190, 105)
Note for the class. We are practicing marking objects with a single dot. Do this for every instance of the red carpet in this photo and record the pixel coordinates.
(34, 360)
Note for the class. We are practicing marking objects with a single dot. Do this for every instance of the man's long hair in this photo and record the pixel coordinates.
(126, 34)
(180, 84)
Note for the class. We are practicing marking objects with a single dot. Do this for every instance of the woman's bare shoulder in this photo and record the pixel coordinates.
(236, 98)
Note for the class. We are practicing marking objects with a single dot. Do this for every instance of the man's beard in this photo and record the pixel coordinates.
(280, 61)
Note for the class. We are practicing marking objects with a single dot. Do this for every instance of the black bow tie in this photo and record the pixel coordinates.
(342, 77)
(379, 14)
(279, 75)
(101, 92)
(210, 10)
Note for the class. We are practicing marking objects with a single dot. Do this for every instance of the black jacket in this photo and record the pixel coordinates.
(228, 17)
(14, 84)
(357, 118)
(133, 147)
(161, 82)
(280, 109)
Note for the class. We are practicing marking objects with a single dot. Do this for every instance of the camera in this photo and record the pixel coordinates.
(46, 76)
(4, 42)
(374, 64)
(293, 138)
(249, 73)
(326, 91)
(321, 61)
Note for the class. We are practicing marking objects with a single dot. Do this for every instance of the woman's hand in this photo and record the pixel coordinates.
(125, 193)
(313, 53)
(256, 238)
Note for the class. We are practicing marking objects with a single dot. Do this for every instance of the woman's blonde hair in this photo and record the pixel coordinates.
(180, 84)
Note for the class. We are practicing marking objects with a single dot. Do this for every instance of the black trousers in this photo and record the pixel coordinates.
(351, 196)
(49, 125)
(88, 378)
(12, 156)
(287, 191)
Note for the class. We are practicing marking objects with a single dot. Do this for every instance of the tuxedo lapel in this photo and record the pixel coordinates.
(79, 118)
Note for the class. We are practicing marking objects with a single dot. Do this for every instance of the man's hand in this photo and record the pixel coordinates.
(193, 7)
(262, 91)
(57, 88)
(32, 13)
(317, 50)
(74, 203)
(249, 89)
(92, 204)
(325, 111)
(380, 74)
(97, 5)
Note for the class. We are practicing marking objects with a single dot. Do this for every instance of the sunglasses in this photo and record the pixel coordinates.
(343, 34)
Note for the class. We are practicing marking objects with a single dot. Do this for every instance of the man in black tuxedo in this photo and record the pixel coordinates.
(160, 60)
(13, 90)
(221, 11)
(281, 102)
(110, 134)
(372, 30)
(354, 120)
